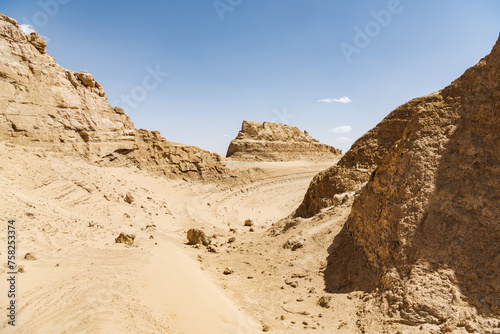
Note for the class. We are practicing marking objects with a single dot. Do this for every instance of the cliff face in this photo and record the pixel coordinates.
(268, 141)
(43, 104)
(428, 220)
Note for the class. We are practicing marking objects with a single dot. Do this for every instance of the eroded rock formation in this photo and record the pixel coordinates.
(426, 227)
(268, 141)
(43, 104)
(355, 167)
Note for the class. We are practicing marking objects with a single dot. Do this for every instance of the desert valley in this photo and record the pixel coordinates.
(121, 231)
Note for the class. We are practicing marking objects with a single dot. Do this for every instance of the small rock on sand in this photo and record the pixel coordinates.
(124, 238)
(294, 243)
(30, 257)
(324, 301)
(129, 198)
(196, 236)
(212, 249)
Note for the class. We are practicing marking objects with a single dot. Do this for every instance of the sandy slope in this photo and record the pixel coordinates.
(82, 282)
(69, 213)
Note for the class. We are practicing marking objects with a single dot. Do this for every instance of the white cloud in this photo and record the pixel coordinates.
(343, 99)
(27, 29)
(226, 135)
(343, 140)
(342, 129)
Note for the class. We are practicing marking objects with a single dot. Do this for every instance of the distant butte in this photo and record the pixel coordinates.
(268, 141)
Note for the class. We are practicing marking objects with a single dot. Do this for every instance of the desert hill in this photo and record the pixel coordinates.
(423, 236)
(269, 141)
(45, 105)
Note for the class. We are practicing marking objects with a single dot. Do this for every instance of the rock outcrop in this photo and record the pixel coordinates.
(426, 227)
(354, 168)
(43, 104)
(268, 141)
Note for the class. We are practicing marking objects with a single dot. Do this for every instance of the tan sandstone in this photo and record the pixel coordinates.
(268, 141)
(424, 233)
(45, 105)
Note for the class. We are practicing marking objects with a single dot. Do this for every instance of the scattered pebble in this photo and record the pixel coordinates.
(212, 249)
(30, 257)
(129, 198)
(325, 301)
(294, 243)
(293, 284)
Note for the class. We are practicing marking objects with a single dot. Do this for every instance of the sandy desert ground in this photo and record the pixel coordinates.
(76, 279)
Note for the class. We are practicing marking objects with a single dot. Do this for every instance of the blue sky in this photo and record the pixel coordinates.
(263, 60)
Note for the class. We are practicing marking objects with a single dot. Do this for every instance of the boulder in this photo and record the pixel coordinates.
(196, 236)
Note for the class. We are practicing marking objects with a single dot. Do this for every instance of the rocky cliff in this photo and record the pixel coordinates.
(43, 104)
(268, 141)
(427, 223)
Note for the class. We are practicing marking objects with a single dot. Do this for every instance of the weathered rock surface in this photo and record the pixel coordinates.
(268, 141)
(355, 167)
(45, 105)
(425, 229)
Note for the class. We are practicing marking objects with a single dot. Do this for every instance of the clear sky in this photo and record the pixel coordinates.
(291, 61)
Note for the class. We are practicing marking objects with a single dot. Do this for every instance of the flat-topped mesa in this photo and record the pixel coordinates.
(268, 141)
(43, 104)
